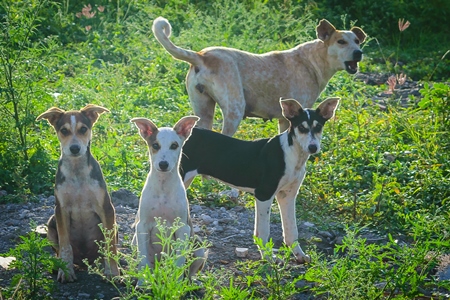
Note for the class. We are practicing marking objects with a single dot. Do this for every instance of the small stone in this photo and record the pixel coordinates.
(241, 252)
(227, 220)
(339, 240)
(444, 274)
(196, 229)
(196, 209)
(218, 229)
(120, 209)
(6, 261)
(326, 234)
(41, 230)
(84, 295)
(206, 219)
(308, 224)
(23, 214)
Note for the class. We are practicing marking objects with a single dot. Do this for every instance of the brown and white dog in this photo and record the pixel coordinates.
(244, 84)
(82, 199)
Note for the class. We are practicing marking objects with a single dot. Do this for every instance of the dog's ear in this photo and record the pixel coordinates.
(52, 115)
(360, 34)
(92, 112)
(324, 30)
(290, 108)
(184, 126)
(327, 108)
(145, 126)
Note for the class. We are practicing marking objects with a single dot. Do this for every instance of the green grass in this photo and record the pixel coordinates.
(385, 169)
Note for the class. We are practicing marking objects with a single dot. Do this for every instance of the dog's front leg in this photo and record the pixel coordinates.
(286, 203)
(183, 233)
(142, 238)
(108, 218)
(65, 249)
(262, 222)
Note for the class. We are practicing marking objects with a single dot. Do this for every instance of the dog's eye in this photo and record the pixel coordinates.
(318, 128)
(174, 146)
(302, 129)
(342, 42)
(83, 130)
(356, 41)
(156, 146)
(64, 131)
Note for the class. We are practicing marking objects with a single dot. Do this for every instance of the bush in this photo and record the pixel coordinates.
(34, 264)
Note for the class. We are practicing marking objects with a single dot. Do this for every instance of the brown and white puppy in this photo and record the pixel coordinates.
(82, 199)
(244, 84)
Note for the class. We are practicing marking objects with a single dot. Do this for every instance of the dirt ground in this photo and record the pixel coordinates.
(225, 229)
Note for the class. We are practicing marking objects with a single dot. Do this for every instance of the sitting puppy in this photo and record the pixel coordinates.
(82, 199)
(164, 195)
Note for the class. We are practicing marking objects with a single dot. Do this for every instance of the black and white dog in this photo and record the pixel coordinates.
(267, 168)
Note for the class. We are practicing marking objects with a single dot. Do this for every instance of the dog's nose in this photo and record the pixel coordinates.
(312, 148)
(357, 55)
(163, 165)
(75, 149)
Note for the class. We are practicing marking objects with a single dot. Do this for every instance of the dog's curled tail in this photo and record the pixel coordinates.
(161, 29)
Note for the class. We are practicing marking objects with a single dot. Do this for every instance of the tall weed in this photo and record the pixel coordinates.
(34, 265)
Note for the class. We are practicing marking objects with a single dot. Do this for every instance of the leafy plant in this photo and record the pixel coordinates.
(22, 92)
(361, 270)
(166, 280)
(436, 98)
(272, 277)
(34, 264)
(276, 272)
(224, 285)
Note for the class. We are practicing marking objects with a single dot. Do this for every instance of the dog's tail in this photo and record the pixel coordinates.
(161, 29)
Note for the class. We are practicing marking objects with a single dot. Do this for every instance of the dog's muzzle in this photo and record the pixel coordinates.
(163, 166)
(75, 149)
(351, 66)
(312, 148)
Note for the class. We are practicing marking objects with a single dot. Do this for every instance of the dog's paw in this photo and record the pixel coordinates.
(303, 258)
(111, 269)
(69, 277)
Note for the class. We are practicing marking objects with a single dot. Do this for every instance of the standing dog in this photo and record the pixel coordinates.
(82, 199)
(267, 168)
(244, 84)
(164, 195)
